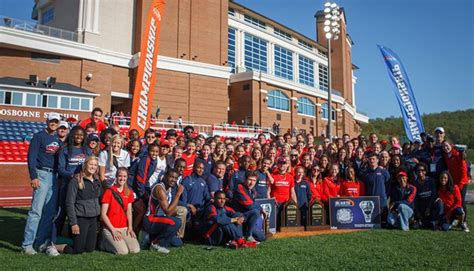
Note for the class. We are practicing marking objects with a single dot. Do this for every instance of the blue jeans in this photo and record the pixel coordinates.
(39, 225)
(402, 218)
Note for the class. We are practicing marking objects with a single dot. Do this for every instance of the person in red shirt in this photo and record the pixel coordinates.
(316, 184)
(331, 185)
(116, 213)
(450, 195)
(282, 187)
(189, 156)
(350, 186)
(96, 114)
(457, 167)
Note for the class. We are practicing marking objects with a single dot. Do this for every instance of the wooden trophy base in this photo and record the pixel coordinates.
(292, 229)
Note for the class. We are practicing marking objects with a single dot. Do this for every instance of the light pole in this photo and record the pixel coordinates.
(332, 30)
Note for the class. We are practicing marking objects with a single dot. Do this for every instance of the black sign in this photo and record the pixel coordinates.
(316, 214)
(290, 215)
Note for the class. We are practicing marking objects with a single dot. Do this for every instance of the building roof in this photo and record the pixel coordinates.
(62, 87)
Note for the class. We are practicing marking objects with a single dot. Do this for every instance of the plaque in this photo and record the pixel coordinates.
(291, 217)
(316, 217)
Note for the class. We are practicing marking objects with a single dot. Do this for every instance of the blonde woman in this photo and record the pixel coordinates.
(116, 214)
(111, 159)
(83, 208)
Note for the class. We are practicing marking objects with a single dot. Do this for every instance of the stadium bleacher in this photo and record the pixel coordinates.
(13, 146)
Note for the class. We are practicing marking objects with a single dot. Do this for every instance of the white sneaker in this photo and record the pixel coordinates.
(42, 248)
(454, 224)
(157, 248)
(51, 251)
(29, 251)
(464, 227)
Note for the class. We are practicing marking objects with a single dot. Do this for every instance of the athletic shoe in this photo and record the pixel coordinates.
(252, 239)
(157, 248)
(464, 227)
(42, 248)
(454, 224)
(51, 251)
(29, 251)
(232, 245)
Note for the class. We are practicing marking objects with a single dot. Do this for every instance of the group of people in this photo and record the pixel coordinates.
(125, 193)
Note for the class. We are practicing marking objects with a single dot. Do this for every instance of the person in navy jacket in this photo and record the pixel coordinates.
(215, 181)
(42, 170)
(206, 157)
(402, 199)
(427, 209)
(244, 202)
(239, 176)
(303, 193)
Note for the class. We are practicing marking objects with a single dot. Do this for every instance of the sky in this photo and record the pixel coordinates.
(433, 38)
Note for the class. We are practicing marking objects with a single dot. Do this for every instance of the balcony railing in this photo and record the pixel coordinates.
(38, 28)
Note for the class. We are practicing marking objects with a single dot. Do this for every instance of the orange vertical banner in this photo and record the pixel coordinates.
(145, 81)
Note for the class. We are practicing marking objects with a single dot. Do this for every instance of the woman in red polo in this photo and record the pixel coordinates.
(116, 214)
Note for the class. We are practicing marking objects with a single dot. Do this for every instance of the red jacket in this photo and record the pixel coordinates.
(316, 190)
(457, 167)
(451, 201)
(352, 189)
(330, 189)
(99, 125)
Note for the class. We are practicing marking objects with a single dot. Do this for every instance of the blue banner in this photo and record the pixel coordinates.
(269, 207)
(404, 93)
(354, 212)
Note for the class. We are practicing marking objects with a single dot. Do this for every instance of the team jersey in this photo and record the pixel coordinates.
(352, 188)
(189, 158)
(115, 212)
(281, 187)
(303, 193)
(261, 187)
(316, 190)
(451, 201)
(330, 189)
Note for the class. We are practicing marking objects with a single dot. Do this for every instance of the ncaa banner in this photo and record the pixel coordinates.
(145, 81)
(354, 212)
(404, 93)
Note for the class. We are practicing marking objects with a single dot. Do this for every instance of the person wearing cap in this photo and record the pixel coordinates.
(96, 114)
(432, 156)
(63, 131)
(93, 143)
(42, 170)
(376, 181)
(439, 135)
(402, 198)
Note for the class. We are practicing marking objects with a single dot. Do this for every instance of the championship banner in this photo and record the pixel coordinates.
(145, 81)
(354, 213)
(404, 93)
(269, 207)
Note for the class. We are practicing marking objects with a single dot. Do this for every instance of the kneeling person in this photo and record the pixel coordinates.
(160, 221)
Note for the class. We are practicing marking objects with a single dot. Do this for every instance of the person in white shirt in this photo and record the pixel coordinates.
(111, 159)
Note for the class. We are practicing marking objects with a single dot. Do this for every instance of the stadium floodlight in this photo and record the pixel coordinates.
(332, 30)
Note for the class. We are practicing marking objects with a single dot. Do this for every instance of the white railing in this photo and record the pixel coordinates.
(38, 28)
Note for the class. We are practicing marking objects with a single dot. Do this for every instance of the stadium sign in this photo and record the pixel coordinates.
(31, 114)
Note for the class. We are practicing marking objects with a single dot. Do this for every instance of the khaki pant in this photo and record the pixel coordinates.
(126, 245)
(181, 213)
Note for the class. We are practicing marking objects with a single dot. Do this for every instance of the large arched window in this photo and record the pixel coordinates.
(278, 100)
(325, 113)
(306, 106)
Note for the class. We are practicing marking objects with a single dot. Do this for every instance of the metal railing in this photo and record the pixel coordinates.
(38, 28)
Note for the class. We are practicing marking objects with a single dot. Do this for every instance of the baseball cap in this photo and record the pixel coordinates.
(439, 129)
(165, 143)
(63, 124)
(402, 173)
(54, 116)
(93, 136)
(281, 160)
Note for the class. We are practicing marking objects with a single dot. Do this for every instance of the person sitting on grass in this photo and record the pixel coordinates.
(224, 225)
(118, 236)
(160, 222)
(450, 195)
(402, 197)
(244, 202)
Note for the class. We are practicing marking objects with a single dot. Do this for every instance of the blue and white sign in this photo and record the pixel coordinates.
(404, 93)
(354, 212)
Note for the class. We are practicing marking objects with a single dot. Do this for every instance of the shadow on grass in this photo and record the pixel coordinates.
(13, 223)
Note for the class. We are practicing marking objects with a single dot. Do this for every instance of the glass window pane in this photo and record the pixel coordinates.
(75, 103)
(2, 97)
(31, 99)
(52, 101)
(85, 104)
(17, 98)
(65, 102)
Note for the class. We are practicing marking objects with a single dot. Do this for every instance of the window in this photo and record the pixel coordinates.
(33, 99)
(231, 12)
(255, 51)
(17, 98)
(75, 103)
(305, 45)
(278, 100)
(306, 106)
(45, 57)
(65, 102)
(323, 77)
(47, 16)
(282, 34)
(325, 113)
(255, 21)
(231, 49)
(2, 97)
(85, 104)
(283, 62)
(306, 71)
(52, 101)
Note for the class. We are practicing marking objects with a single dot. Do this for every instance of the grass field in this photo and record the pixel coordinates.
(377, 249)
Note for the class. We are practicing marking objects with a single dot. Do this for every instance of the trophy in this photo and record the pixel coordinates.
(367, 207)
